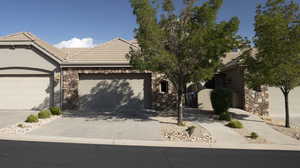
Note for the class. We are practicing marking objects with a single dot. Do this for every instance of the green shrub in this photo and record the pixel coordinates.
(191, 130)
(235, 124)
(55, 111)
(21, 125)
(32, 119)
(254, 135)
(225, 116)
(221, 100)
(44, 114)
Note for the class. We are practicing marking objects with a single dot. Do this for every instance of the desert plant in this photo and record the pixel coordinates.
(235, 124)
(225, 116)
(55, 111)
(32, 119)
(191, 130)
(181, 124)
(44, 114)
(21, 125)
(253, 135)
(221, 100)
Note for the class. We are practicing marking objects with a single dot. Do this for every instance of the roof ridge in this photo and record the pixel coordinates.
(109, 41)
(126, 41)
(100, 45)
(16, 34)
(29, 35)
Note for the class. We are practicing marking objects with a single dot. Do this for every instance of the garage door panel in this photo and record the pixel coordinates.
(111, 92)
(277, 105)
(24, 92)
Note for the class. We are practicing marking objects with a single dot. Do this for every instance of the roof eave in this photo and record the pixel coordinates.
(27, 43)
(95, 64)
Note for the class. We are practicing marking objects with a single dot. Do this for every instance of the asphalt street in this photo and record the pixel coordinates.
(62, 155)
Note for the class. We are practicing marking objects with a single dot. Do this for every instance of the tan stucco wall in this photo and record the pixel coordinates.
(204, 101)
(277, 105)
(25, 57)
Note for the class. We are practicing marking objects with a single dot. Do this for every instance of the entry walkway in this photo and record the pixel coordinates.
(221, 134)
(255, 124)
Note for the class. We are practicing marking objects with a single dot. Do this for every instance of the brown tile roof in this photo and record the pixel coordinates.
(16, 37)
(230, 57)
(26, 36)
(111, 51)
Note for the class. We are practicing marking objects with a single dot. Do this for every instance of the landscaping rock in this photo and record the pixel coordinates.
(179, 134)
(24, 127)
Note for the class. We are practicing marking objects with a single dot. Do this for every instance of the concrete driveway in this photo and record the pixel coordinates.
(101, 127)
(10, 117)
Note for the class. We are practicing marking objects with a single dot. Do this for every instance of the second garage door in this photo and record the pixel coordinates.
(114, 92)
(24, 93)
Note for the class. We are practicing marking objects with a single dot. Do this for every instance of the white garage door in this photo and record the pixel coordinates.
(24, 92)
(112, 92)
(277, 106)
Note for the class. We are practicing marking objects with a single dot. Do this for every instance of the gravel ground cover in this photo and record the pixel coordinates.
(22, 128)
(170, 131)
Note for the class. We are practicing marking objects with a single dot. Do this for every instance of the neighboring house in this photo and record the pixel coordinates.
(36, 75)
(264, 101)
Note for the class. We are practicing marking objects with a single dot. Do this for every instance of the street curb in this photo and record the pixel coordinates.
(145, 143)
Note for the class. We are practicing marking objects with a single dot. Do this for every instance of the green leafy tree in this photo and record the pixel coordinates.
(185, 46)
(275, 61)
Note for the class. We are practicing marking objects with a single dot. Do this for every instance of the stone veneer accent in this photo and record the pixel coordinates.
(71, 80)
(257, 102)
(162, 101)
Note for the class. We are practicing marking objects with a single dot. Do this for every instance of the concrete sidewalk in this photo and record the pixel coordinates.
(255, 124)
(222, 134)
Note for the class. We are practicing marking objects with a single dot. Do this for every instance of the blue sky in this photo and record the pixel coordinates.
(58, 20)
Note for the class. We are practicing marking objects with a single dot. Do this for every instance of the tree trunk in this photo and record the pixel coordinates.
(180, 107)
(287, 115)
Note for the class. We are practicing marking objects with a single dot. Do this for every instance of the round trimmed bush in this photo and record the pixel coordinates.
(235, 124)
(225, 117)
(55, 111)
(254, 135)
(32, 119)
(44, 114)
(221, 100)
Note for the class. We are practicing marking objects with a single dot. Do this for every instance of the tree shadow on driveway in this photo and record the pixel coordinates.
(115, 100)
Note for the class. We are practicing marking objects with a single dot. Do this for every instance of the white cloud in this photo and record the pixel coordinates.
(76, 43)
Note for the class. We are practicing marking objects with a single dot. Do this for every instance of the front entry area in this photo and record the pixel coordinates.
(24, 92)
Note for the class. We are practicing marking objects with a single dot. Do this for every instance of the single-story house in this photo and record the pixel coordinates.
(263, 101)
(35, 75)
